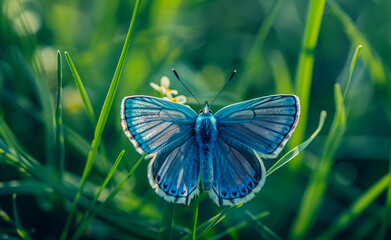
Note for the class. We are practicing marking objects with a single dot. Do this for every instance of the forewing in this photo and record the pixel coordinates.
(173, 174)
(152, 124)
(237, 173)
(264, 124)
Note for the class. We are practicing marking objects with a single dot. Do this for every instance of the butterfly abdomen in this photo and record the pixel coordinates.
(206, 134)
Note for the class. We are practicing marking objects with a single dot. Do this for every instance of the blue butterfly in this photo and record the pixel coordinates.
(219, 149)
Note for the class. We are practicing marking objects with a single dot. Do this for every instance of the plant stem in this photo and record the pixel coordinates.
(59, 126)
(195, 216)
(305, 67)
(167, 220)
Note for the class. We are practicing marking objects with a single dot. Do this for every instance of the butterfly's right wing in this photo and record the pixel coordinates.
(237, 173)
(165, 130)
(152, 124)
(262, 124)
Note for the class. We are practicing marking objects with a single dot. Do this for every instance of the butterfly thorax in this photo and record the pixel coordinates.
(206, 134)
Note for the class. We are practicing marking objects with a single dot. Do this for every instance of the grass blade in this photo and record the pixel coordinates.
(82, 90)
(22, 233)
(5, 217)
(295, 151)
(102, 119)
(239, 226)
(266, 232)
(85, 216)
(167, 221)
(84, 224)
(215, 220)
(195, 216)
(59, 126)
(316, 188)
(387, 215)
(357, 207)
(14, 147)
(305, 65)
(351, 69)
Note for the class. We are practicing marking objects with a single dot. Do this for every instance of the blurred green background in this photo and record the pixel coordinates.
(204, 41)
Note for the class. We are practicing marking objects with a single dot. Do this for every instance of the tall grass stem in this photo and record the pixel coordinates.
(304, 68)
(59, 126)
(102, 120)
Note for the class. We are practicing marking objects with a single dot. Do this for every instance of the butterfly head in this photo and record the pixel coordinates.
(206, 110)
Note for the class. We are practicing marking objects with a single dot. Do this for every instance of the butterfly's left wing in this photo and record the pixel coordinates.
(173, 172)
(264, 124)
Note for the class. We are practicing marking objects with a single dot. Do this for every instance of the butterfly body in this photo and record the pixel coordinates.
(206, 136)
(218, 149)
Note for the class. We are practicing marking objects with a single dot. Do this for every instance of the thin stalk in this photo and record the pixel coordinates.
(167, 221)
(102, 120)
(5, 217)
(195, 216)
(59, 126)
(213, 223)
(208, 225)
(238, 226)
(22, 233)
(387, 214)
(266, 232)
(82, 90)
(305, 65)
(351, 69)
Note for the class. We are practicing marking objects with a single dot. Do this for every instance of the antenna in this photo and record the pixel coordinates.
(229, 80)
(177, 76)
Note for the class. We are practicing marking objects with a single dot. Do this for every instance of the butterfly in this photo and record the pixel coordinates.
(218, 150)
